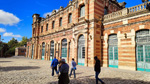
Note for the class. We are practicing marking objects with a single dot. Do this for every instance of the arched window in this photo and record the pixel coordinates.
(33, 30)
(43, 50)
(82, 11)
(53, 24)
(113, 51)
(64, 49)
(41, 29)
(46, 27)
(52, 51)
(143, 50)
(70, 18)
(60, 22)
(81, 50)
(32, 51)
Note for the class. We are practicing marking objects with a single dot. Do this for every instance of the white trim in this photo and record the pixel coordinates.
(126, 19)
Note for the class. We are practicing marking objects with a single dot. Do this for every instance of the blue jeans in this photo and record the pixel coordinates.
(96, 76)
(54, 68)
(73, 72)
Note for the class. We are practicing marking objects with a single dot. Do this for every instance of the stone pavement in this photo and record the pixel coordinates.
(21, 70)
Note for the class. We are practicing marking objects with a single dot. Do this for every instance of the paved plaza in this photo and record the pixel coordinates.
(21, 70)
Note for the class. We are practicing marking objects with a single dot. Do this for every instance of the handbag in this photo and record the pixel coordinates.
(74, 68)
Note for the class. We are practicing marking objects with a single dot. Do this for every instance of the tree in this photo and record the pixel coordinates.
(24, 41)
(12, 44)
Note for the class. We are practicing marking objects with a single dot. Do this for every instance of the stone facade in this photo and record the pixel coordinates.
(101, 19)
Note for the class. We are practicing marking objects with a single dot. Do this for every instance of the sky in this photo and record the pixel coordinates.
(16, 15)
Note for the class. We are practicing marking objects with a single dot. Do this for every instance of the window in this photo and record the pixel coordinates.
(22, 51)
(60, 22)
(82, 11)
(53, 24)
(70, 18)
(105, 10)
(34, 31)
(41, 29)
(46, 27)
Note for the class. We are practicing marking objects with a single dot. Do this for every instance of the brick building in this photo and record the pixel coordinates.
(20, 51)
(119, 36)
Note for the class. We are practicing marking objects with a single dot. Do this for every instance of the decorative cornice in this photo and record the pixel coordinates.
(126, 24)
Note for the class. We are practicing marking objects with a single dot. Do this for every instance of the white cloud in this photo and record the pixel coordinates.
(11, 35)
(7, 18)
(2, 30)
(49, 13)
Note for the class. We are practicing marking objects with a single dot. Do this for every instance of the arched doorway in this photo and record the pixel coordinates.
(52, 51)
(32, 51)
(81, 50)
(64, 49)
(43, 50)
(143, 50)
(113, 51)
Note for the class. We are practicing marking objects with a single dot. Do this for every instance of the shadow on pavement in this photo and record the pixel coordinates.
(12, 68)
(85, 80)
(4, 61)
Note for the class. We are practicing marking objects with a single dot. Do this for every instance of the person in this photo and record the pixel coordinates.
(73, 68)
(63, 77)
(54, 66)
(97, 69)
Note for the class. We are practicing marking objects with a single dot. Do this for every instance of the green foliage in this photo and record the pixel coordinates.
(24, 41)
(11, 51)
(13, 43)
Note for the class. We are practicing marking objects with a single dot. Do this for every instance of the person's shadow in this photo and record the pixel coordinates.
(86, 80)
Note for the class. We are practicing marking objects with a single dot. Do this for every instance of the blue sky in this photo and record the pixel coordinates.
(16, 15)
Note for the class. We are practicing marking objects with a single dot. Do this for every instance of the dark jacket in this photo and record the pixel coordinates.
(64, 78)
(97, 66)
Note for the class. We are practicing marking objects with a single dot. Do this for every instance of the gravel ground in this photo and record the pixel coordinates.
(21, 70)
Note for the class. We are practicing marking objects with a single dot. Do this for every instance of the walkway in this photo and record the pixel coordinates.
(21, 70)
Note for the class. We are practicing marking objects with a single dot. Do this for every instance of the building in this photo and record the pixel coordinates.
(20, 51)
(119, 36)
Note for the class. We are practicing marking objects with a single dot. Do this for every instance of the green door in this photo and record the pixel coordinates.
(64, 49)
(113, 51)
(143, 50)
(113, 56)
(81, 50)
(52, 51)
(43, 50)
(81, 55)
(143, 58)
(32, 51)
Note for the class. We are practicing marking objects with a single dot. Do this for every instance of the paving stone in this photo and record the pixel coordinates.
(21, 70)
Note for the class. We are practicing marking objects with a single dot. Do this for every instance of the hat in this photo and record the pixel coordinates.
(62, 60)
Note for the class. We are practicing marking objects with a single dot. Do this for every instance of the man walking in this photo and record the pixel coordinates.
(73, 68)
(97, 69)
(54, 66)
